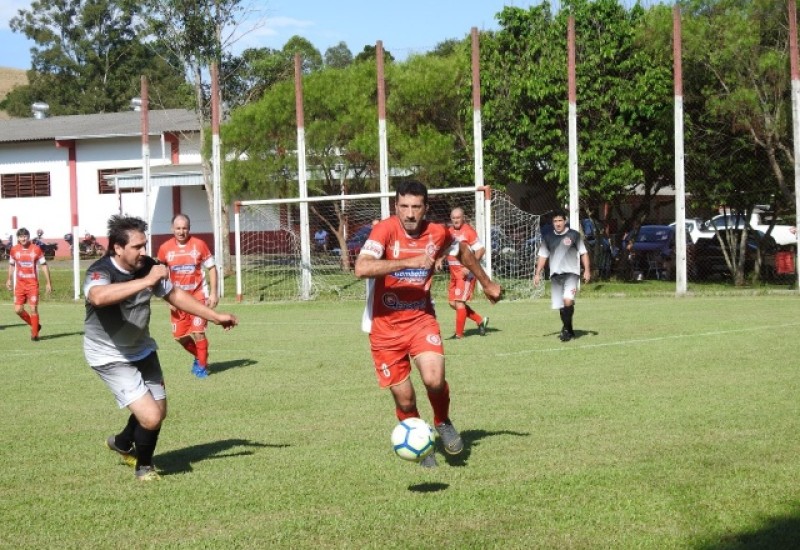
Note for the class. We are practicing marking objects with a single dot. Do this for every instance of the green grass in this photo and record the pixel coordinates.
(669, 423)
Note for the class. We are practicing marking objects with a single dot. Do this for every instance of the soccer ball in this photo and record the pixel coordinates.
(412, 439)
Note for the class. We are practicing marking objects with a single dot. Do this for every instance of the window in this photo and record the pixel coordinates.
(106, 186)
(26, 185)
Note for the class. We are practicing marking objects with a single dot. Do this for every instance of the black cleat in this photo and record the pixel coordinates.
(482, 326)
(565, 335)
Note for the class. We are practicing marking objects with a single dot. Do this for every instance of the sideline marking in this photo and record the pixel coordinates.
(647, 340)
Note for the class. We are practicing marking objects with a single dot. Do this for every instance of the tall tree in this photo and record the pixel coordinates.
(338, 56)
(310, 56)
(88, 58)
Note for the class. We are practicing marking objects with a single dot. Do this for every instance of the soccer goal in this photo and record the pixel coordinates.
(271, 264)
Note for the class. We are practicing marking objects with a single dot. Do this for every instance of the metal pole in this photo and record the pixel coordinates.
(145, 163)
(216, 178)
(382, 136)
(305, 242)
(573, 127)
(477, 133)
(680, 176)
(795, 68)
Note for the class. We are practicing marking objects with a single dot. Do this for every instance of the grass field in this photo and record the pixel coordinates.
(668, 423)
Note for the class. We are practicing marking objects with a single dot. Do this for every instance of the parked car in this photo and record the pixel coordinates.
(355, 241)
(696, 229)
(782, 232)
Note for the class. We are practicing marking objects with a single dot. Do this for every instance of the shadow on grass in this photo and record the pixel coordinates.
(578, 333)
(473, 438)
(776, 534)
(44, 335)
(180, 461)
(428, 487)
(222, 366)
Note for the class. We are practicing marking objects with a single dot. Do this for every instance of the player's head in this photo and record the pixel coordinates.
(181, 225)
(457, 217)
(559, 219)
(23, 235)
(126, 239)
(39, 233)
(411, 203)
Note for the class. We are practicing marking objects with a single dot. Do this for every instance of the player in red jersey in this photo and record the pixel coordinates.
(398, 259)
(24, 260)
(188, 258)
(462, 281)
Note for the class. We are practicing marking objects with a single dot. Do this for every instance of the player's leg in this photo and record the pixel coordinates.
(36, 326)
(557, 284)
(150, 411)
(568, 296)
(198, 334)
(428, 354)
(138, 386)
(482, 322)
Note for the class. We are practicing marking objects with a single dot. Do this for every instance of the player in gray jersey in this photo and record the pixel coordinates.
(566, 253)
(117, 342)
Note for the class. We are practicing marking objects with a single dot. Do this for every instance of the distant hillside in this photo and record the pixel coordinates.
(9, 78)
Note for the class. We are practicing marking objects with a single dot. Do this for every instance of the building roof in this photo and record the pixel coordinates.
(99, 126)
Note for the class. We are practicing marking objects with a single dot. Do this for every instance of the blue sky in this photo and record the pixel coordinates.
(404, 26)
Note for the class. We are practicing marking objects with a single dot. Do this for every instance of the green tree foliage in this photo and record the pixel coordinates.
(624, 102)
(309, 55)
(89, 59)
(338, 56)
(429, 97)
(368, 53)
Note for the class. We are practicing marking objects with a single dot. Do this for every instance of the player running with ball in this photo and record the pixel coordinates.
(398, 259)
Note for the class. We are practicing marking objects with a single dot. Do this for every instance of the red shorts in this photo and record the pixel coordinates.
(392, 353)
(461, 288)
(184, 323)
(26, 293)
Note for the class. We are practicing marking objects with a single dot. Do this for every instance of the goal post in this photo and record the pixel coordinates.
(269, 242)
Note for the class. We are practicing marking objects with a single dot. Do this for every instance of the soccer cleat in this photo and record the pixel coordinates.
(455, 337)
(128, 457)
(429, 461)
(482, 326)
(147, 473)
(452, 442)
(34, 338)
(566, 335)
(200, 372)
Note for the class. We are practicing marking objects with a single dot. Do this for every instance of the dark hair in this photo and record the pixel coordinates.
(412, 187)
(559, 213)
(22, 231)
(184, 216)
(120, 228)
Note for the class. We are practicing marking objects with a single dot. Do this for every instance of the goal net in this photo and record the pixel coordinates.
(271, 264)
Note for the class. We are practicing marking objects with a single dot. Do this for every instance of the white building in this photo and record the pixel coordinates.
(61, 172)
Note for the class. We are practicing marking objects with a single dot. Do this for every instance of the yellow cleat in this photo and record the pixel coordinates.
(128, 457)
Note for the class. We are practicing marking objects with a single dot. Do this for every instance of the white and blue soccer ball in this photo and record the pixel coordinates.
(412, 439)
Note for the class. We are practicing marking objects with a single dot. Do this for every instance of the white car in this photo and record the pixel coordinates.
(696, 229)
(782, 233)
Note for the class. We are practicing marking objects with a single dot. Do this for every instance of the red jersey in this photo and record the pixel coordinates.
(26, 262)
(467, 234)
(401, 298)
(187, 264)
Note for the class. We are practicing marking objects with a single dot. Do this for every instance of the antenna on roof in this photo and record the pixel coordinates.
(39, 109)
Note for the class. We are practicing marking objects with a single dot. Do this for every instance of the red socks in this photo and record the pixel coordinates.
(202, 352)
(440, 401)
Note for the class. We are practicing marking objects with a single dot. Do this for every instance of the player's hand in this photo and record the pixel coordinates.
(8, 284)
(423, 261)
(227, 321)
(48, 288)
(494, 292)
(587, 276)
(212, 301)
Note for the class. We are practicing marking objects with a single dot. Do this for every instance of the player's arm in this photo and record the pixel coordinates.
(587, 268)
(492, 290)
(368, 265)
(213, 287)
(537, 274)
(184, 301)
(114, 293)
(48, 281)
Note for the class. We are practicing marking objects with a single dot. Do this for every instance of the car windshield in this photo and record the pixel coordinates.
(652, 235)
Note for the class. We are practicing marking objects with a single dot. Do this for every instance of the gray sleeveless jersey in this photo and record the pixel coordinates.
(564, 252)
(119, 332)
